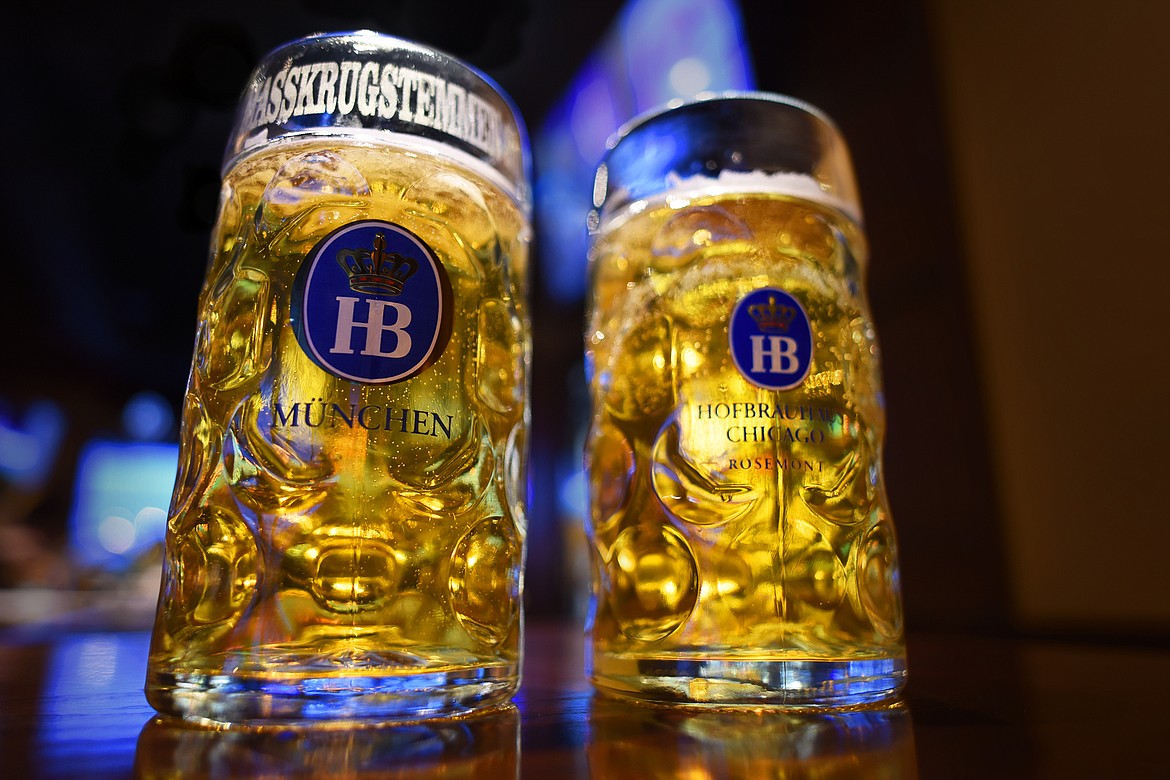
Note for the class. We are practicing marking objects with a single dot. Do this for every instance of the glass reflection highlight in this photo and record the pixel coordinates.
(641, 741)
(486, 745)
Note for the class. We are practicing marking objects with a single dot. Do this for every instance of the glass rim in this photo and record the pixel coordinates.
(730, 95)
(459, 107)
(749, 141)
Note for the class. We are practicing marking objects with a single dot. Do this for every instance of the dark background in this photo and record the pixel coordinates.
(116, 119)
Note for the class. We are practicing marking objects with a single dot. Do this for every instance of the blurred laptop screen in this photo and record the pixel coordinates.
(121, 495)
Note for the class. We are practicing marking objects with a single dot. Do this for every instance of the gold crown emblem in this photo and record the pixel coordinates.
(376, 271)
(771, 316)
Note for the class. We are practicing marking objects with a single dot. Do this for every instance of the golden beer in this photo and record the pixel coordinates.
(346, 534)
(743, 550)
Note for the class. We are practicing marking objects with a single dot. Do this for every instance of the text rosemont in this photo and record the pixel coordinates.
(376, 89)
(769, 464)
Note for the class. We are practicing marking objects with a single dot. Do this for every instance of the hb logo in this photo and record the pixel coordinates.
(372, 304)
(771, 339)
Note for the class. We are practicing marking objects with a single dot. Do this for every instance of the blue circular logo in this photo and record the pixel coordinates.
(771, 339)
(372, 304)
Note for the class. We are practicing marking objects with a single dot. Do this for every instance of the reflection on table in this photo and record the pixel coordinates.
(71, 705)
(483, 746)
(647, 742)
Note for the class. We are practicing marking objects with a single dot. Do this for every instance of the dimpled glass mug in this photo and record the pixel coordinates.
(346, 535)
(743, 551)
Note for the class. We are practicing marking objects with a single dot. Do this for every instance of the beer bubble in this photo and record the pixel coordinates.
(733, 578)
(445, 200)
(608, 453)
(310, 195)
(807, 233)
(485, 580)
(700, 296)
(654, 581)
(842, 490)
(411, 612)
(879, 580)
(641, 373)
(515, 469)
(691, 491)
(746, 573)
(815, 575)
(238, 330)
(266, 469)
(351, 571)
(449, 480)
(691, 230)
(213, 562)
(196, 459)
(499, 364)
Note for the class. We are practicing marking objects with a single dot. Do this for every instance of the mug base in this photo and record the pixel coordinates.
(728, 682)
(365, 696)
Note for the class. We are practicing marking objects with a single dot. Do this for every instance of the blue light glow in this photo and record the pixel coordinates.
(658, 51)
(29, 446)
(147, 417)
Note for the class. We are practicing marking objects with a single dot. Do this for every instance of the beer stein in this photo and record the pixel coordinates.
(742, 546)
(346, 534)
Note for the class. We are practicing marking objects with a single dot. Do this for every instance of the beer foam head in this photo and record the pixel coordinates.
(795, 185)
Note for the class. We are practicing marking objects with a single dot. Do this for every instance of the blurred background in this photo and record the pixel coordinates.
(1012, 160)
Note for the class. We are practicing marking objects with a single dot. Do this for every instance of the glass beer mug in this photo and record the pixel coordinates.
(346, 534)
(743, 551)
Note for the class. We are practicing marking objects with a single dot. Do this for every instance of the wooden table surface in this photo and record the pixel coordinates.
(71, 706)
